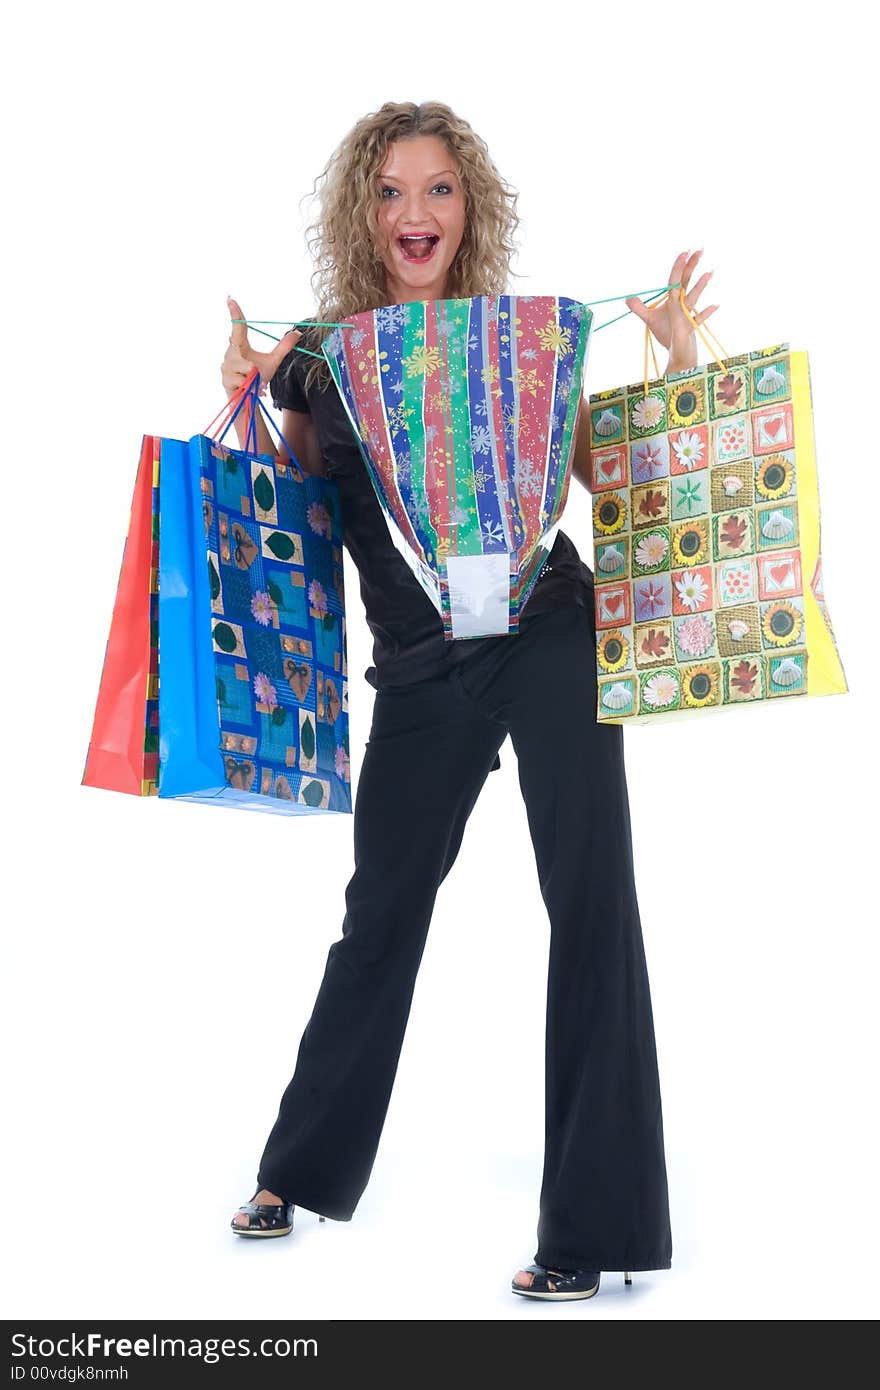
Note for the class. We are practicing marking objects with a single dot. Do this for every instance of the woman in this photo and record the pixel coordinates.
(412, 208)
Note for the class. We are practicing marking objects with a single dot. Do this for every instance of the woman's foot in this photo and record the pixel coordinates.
(266, 1214)
(263, 1198)
(540, 1281)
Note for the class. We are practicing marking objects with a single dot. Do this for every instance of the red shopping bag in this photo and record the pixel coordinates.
(123, 752)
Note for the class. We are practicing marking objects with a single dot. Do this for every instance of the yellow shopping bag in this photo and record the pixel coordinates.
(708, 568)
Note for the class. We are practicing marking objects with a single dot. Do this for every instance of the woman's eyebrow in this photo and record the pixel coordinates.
(397, 177)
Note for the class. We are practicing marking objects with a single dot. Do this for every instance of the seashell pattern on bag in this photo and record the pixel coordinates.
(697, 528)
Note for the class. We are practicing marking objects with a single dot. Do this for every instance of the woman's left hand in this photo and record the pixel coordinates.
(668, 322)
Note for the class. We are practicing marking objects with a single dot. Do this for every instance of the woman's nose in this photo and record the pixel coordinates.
(416, 210)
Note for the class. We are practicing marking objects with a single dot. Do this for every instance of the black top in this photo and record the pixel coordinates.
(408, 639)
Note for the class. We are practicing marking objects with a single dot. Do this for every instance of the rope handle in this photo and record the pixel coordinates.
(231, 404)
(247, 397)
(252, 324)
(657, 298)
(705, 334)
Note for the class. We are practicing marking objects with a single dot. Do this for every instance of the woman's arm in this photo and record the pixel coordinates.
(302, 436)
(298, 429)
(581, 463)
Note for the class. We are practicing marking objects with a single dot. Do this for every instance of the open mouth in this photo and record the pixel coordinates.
(418, 247)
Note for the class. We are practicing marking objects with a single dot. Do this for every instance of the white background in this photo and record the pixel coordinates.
(161, 960)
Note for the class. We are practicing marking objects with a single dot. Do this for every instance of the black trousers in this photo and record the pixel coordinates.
(603, 1201)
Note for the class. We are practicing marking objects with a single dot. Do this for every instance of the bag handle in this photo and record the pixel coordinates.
(243, 395)
(249, 391)
(231, 403)
(703, 332)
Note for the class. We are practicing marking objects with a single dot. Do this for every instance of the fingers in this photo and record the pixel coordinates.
(238, 333)
(684, 266)
(638, 308)
(237, 359)
(234, 367)
(278, 354)
(704, 313)
(693, 295)
(234, 379)
(677, 271)
(289, 341)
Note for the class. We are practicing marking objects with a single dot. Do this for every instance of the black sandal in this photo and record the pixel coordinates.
(274, 1219)
(561, 1283)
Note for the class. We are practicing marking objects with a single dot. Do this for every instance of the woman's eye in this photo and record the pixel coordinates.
(445, 187)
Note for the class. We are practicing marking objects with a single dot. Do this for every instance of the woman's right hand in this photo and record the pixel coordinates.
(241, 359)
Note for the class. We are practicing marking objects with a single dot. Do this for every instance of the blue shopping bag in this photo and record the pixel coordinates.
(253, 691)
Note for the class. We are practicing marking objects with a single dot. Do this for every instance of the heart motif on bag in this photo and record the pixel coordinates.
(781, 574)
(240, 775)
(613, 605)
(299, 677)
(245, 550)
(774, 428)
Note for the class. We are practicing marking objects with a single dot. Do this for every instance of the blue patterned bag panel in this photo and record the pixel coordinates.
(274, 605)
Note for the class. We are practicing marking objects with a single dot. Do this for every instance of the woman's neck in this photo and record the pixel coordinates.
(406, 294)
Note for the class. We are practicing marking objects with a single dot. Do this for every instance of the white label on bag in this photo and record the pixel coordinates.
(479, 594)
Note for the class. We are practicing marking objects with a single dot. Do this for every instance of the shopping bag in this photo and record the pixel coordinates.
(252, 670)
(466, 411)
(123, 751)
(708, 570)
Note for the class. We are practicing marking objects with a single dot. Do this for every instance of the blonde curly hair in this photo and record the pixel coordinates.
(349, 277)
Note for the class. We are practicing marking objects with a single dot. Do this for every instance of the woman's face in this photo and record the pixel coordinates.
(419, 192)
